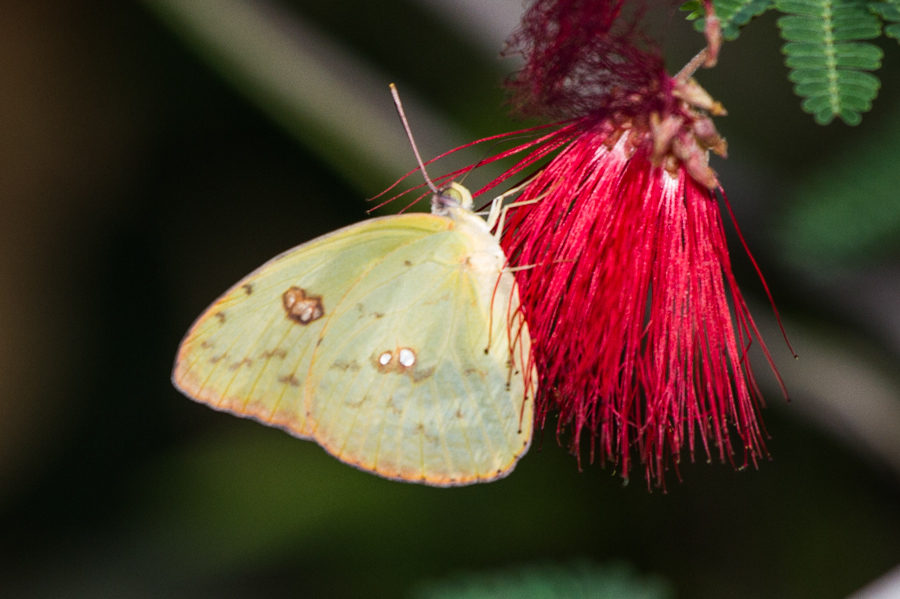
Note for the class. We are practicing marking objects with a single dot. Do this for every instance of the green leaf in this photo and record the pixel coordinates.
(694, 9)
(889, 11)
(852, 55)
(800, 7)
(733, 14)
(828, 61)
(581, 579)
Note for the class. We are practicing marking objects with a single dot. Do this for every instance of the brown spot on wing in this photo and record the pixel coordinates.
(300, 307)
(273, 353)
(362, 312)
(393, 407)
(420, 374)
(248, 288)
(220, 316)
(357, 404)
(341, 365)
(444, 298)
(289, 379)
(237, 365)
(429, 436)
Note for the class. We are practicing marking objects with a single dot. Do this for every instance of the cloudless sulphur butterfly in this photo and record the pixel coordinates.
(396, 343)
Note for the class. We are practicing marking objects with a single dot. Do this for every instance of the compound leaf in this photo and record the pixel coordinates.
(828, 61)
(889, 11)
(733, 14)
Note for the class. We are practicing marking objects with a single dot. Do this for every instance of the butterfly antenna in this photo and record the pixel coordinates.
(412, 141)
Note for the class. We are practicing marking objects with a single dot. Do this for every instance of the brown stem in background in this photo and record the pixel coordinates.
(691, 67)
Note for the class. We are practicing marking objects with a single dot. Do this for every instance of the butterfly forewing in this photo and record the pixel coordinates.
(248, 354)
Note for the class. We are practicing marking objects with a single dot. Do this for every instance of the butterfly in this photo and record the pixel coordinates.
(396, 343)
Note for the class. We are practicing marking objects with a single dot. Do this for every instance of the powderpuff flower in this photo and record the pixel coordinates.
(638, 327)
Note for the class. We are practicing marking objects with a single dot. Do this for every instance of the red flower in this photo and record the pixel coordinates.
(638, 327)
(628, 306)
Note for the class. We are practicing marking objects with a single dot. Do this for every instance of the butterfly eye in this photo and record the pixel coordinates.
(452, 193)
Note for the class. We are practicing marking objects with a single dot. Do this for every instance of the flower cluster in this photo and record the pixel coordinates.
(639, 329)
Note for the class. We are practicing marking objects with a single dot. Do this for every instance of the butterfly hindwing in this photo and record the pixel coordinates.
(401, 382)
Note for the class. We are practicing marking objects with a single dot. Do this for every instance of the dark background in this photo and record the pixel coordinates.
(143, 171)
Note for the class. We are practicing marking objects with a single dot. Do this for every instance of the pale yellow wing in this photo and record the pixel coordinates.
(415, 377)
(395, 343)
(248, 353)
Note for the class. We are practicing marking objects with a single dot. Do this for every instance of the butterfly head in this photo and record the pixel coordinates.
(450, 196)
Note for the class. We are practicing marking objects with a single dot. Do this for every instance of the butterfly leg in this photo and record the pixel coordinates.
(498, 213)
(494, 210)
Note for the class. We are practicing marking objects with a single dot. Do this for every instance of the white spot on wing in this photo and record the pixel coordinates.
(407, 357)
(385, 358)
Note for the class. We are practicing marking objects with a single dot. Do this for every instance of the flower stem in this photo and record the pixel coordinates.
(691, 67)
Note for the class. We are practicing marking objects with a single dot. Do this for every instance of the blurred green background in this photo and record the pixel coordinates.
(153, 153)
